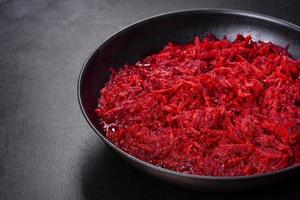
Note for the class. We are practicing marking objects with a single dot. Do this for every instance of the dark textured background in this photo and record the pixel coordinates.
(47, 150)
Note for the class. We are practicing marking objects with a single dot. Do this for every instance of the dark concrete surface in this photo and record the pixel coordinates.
(47, 150)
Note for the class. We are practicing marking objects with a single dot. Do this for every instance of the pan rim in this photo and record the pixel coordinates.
(232, 12)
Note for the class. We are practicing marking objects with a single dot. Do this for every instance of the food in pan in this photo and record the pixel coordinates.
(211, 107)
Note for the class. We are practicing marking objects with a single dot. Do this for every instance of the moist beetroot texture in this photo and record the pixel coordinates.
(211, 107)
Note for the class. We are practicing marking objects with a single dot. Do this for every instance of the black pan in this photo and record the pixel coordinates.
(148, 36)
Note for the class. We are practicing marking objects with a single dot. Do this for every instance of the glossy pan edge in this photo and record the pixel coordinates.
(212, 183)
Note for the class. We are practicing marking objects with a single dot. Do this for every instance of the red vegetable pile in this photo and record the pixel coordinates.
(211, 107)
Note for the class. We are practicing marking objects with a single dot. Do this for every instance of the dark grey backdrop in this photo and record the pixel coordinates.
(47, 150)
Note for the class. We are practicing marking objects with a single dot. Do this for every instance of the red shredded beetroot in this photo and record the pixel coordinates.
(212, 107)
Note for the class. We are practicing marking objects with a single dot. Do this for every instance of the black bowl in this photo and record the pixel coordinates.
(148, 36)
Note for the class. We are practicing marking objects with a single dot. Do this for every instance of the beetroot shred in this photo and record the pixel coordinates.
(211, 107)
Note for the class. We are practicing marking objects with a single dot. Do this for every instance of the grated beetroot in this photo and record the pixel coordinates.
(211, 107)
